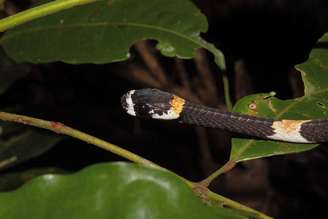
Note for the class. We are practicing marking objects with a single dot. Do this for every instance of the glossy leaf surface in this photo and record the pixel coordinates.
(103, 32)
(118, 190)
(314, 104)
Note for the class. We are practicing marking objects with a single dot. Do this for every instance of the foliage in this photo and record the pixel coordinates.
(311, 105)
(103, 32)
(107, 30)
(117, 190)
(20, 144)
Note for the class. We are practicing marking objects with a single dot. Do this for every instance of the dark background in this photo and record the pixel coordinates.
(262, 41)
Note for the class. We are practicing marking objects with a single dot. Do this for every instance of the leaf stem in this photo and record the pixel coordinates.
(225, 202)
(39, 11)
(225, 168)
(226, 90)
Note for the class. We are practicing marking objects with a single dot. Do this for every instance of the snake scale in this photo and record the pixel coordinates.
(157, 104)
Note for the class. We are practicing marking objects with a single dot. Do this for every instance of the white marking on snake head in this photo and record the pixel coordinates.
(129, 106)
(168, 115)
(176, 108)
(288, 130)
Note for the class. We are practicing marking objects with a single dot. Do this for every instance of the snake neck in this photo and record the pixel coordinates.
(200, 115)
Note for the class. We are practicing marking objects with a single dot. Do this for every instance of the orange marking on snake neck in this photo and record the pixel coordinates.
(177, 104)
(288, 125)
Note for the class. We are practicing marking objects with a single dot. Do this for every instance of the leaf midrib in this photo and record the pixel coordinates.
(104, 24)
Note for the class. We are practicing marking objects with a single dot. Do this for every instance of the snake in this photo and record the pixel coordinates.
(157, 104)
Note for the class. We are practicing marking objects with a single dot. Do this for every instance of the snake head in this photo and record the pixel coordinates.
(152, 103)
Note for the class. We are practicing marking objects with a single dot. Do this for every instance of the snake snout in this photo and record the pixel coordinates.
(127, 103)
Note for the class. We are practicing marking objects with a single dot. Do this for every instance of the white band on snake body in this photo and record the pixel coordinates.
(288, 130)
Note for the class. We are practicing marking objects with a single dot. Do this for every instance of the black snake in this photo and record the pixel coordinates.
(157, 104)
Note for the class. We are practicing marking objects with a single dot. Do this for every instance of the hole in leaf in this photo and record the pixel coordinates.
(252, 106)
(322, 105)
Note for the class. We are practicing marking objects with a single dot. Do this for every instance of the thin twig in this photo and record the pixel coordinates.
(226, 88)
(225, 168)
(223, 201)
(185, 93)
(138, 74)
(182, 74)
(242, 85)
(152, 62)
(296, 83)
(206, 75)
(6, 162)
(207, 162)
(39, 11)
(60, 128)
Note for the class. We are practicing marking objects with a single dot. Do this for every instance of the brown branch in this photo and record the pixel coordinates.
(152, 63)
(242, 83)
(182, 74)
(136, 73)
(208, 164)
(209, 90)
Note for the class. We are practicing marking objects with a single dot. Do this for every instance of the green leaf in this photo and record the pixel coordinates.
(314, 104)
(18, 144)
(13, 180)
(103, 32)
(117, 190)
(10, 71)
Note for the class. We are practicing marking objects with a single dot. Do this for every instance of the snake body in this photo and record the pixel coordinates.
(157, 104)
